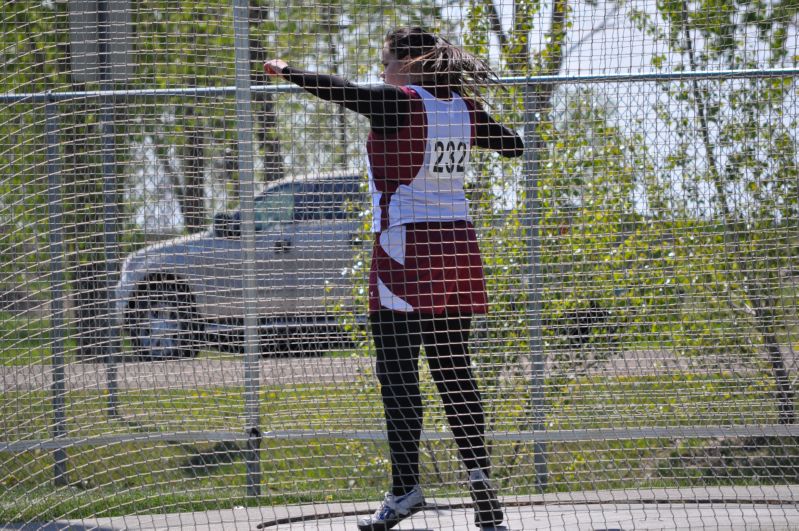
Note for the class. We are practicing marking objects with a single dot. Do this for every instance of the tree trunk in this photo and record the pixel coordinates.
(538, 108)
(91, 302)
(759, 289)
(263, 104)
(82, 199)
(784, 393)
(267, 136)
(331, 28)
(192, 198)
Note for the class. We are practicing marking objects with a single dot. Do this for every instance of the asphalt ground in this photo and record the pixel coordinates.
(727, 508)
(228, 371)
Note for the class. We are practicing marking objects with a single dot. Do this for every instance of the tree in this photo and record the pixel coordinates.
(736, 153)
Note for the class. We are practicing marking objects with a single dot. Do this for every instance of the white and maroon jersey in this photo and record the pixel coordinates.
(428, 168)
(425, 258)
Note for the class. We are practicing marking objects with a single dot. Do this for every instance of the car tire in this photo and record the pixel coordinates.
(163, 322)
(287, 345)
(307, 347)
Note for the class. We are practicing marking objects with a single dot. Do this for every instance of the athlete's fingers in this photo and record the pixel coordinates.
(274, 67)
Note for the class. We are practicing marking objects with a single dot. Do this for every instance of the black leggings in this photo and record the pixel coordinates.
(398, 338)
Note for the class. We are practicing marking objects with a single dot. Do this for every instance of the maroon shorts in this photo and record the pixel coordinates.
(432, 268)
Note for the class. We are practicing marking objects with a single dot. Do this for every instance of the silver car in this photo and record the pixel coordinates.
(175, 296)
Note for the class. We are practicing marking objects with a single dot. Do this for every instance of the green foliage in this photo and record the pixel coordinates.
(594, 242)
(32, 42)
(641, 245)
(737, 162)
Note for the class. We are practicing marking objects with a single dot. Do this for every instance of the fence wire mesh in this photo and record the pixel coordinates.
(187, 243)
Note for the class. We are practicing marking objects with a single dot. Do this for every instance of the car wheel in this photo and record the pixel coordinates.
(308, 342)
(163, 323)
(301, 343)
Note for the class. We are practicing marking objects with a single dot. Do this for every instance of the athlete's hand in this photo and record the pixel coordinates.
(274, 67)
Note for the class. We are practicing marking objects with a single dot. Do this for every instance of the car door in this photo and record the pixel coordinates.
(326, 239)
(276, 254)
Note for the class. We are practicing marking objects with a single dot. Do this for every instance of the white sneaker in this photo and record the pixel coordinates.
(393, 510)
(487, 510)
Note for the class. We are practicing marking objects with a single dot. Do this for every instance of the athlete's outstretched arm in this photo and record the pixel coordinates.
(386, 106)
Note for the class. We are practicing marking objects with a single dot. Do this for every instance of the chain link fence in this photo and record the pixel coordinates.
(185, 253)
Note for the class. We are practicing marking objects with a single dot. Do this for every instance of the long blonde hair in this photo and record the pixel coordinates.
(451, 65)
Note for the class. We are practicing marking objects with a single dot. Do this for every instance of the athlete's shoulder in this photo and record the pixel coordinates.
(410, 92)
(471, 104)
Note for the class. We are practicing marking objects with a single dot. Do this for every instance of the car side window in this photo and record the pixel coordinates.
(306, 203)
(275, 206)
(325, 200)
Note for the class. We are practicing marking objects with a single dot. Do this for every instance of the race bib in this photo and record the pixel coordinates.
(448, 158)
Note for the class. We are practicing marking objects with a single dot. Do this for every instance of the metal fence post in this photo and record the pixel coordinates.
(110, 209)
(244, 126)
(56, 249)
(533, 146)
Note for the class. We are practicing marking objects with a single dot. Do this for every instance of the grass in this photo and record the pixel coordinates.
(25, 340)
(169, 476)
